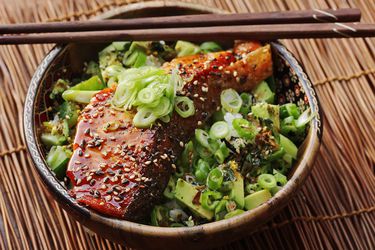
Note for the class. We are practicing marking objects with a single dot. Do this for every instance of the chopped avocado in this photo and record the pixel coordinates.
(169, 190)
(68, 111)
(237, 193)
(263, 93)
(93, 83)
(185, 193)
(57, 159)
(256, 199)
(159, 216)
(289, 146)
(52, 140)
(267, 111)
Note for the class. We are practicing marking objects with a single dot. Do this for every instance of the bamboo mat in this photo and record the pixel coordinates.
(334, 210)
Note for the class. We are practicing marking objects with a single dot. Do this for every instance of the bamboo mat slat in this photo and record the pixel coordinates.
(334, 210)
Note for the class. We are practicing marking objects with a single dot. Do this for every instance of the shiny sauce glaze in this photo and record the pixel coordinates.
(120, 170)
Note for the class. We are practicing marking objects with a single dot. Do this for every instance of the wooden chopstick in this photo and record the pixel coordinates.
(305, 16)
(218, 33)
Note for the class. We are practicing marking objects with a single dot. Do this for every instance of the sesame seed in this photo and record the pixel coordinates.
(90, 121)
(181, 143)
(67, 117)
(79, 181)
(195, 82)
(108, 198)
(195, 95)
(205, 89)
(138, 179)
(95, 115)
(202, 99)
(227, 72)
(77, 162)
(103, 186)
(117, 198)
(148, 162)
(174, 166)
(164, 156)
(235, 73)
(237, 79)
(89, 178)
(199, 123)
(87, 155)
(101, 203)
(220, 67)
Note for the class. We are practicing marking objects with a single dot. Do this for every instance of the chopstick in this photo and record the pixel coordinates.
(203, 20)
(218, 33)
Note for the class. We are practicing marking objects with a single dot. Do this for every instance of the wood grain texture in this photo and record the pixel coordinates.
(342, 181)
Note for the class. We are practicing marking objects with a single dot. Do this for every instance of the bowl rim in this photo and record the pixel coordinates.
(302, 168)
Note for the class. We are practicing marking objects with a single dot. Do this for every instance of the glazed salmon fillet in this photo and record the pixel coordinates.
(120, 170)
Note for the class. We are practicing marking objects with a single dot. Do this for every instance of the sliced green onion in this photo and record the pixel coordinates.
(289, 146)
(146, 96)
(202, 170)
(233, 213)
(280, 178)
(203, 152)
(209, 199)
(244, 128)
(93, 83)
(289, 109)
(276, 155)
(184, 106)
(304, 118)
(266, 181)
(215, 179)
(187, 156)
(256, 199)
(185, 48)
(159, 216)
(202, 137)
(210, 47)
(144, 118)
(219, 130)
(163, 108)
(169, 190)
(52, 140)
(80, 96)
(221, 206)
(231, 100)
(222, 153)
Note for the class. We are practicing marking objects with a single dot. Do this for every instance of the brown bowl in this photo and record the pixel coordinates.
(293, 85)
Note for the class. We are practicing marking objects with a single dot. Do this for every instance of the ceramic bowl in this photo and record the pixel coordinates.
(293, 85)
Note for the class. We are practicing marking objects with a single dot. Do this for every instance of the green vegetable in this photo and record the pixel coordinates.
(233, 213)
(185, 193)
(266, 181)
(246, 103)
(219, 130)
(256, 199)
(215, 179)
(202, 138)
(304, 118)
(280, 178)
(231, 100)
(267, 111)
(185, 48)
(52, 140)
(289, 146)
(184, 106)
(187, 156)
(80, 96)
(263, 93)
(144, 118)
(220, 210)
(221, 153)
(289, 109)
(58, 88)
(202, 170)
(93, 83)
(244, 128)
(57, 159)
(276, 155)
(169, 190)
(237, 193)
(68, 111)
(159, 216)
(209, 199)
(208, 47)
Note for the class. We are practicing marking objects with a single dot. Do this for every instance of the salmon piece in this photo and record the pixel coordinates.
(120, 170)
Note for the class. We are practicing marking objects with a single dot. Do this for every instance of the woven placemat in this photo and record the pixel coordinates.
(334, 210)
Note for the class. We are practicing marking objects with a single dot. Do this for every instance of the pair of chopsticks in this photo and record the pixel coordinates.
(260, 26)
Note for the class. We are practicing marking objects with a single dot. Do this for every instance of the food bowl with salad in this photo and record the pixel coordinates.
(163, 143)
